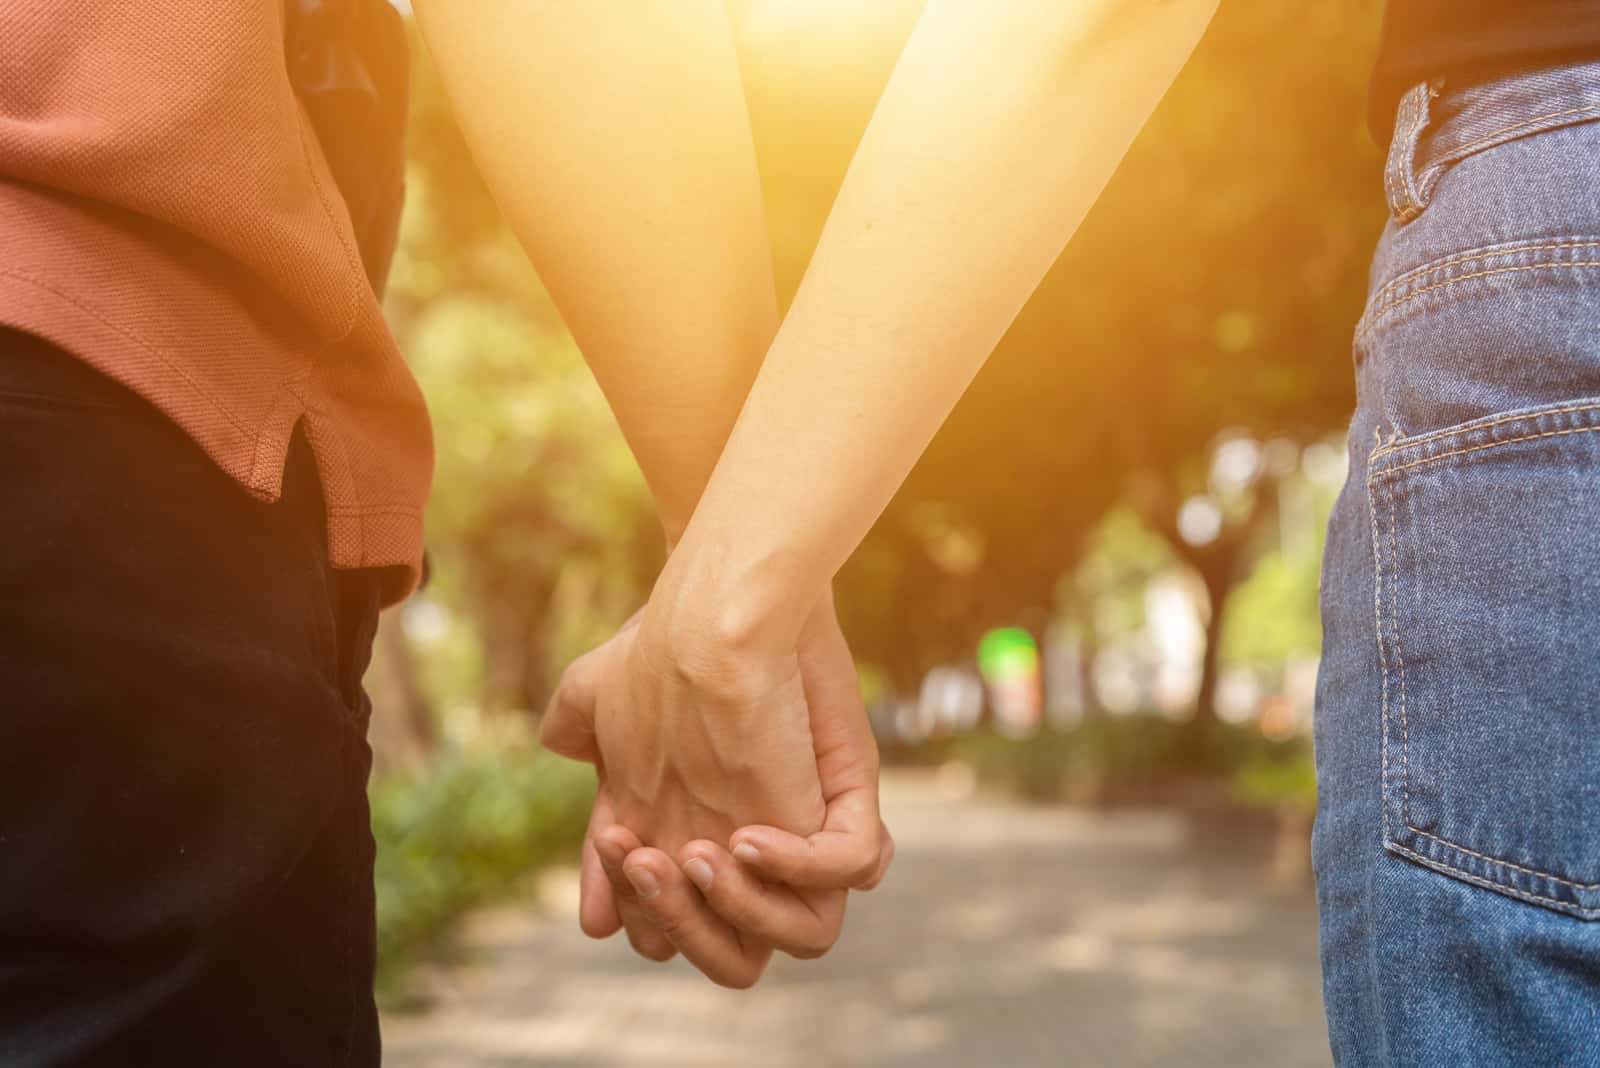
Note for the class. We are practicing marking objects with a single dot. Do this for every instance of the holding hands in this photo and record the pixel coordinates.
(738, 792)
(738, 795)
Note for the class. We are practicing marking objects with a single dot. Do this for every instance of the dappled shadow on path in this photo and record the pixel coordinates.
(1006, 935)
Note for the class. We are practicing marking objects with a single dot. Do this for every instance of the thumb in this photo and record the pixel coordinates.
(852, 851)
(567, 727)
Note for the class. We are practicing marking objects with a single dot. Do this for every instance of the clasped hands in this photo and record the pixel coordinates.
(738, 789)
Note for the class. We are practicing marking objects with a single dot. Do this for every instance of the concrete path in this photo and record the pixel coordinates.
(1006, 935)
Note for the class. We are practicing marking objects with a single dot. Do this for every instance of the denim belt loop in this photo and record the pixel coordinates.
(1407, 195)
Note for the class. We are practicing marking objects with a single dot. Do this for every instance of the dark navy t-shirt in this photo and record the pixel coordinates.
(1471, 40)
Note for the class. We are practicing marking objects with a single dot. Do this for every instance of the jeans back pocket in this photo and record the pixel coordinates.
(1487, 542)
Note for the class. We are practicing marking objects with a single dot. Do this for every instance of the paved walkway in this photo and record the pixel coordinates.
(1005, 936)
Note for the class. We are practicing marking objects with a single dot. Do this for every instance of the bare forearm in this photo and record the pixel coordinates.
(999, 128)
(617, 141)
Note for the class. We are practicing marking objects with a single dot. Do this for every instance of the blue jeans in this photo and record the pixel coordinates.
(1457, 843)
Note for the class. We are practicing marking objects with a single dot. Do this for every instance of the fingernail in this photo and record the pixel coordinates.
(746, 852)
(643, 882)
(699, 873)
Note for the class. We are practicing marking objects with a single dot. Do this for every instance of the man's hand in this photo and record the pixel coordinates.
(686, 754)
(700, 899)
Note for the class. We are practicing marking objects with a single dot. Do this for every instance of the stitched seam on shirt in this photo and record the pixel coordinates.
(282, 393)
(1505, 888)
(1398, 302)
(352, 511)
(378, 509)
(1399, 281)
(103, 320)
(1479, 448)
(1385, 450)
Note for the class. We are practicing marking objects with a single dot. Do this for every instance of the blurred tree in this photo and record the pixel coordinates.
(1273, 615)
(1216, 533)
(1213, 288)
(1103, 599)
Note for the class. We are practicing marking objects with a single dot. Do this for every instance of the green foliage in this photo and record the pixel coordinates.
(466, 833)
(1288, 781)
(1212, 288)
(532, 477)
(1140, 758)
(1272, 615)
(1121, 557)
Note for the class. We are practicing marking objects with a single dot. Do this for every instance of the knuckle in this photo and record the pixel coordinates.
(559, 734)
(862, 861)
(732, 907)
(670, 924)
(650, 948)
(550, 736)
(563, 703)
(572, 678)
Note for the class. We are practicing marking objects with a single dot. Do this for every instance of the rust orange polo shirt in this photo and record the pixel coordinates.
(167, 215)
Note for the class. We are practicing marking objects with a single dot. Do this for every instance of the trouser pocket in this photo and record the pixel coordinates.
(1487, 604)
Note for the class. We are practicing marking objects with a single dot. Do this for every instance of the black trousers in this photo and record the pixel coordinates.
(185, 847)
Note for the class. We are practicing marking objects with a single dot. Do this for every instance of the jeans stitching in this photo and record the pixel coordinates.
(1386, 450)
(1405, 786)
(1400, 658)
(1479, 448)
(1472, 146)
(1506, 863)
(1396, 283)
(1399, 177)
(1380, 313)
(1505, 888)
(1383, 657)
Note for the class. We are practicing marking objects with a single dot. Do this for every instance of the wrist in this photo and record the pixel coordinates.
(726, 621)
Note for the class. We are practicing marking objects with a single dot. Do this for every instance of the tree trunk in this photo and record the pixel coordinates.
(1205, 701)
(504, 654)
(403, 733)
(1088, 692)
(537, 683)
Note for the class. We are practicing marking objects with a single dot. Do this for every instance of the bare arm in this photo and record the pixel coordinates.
(999, 128)
(617, 141)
